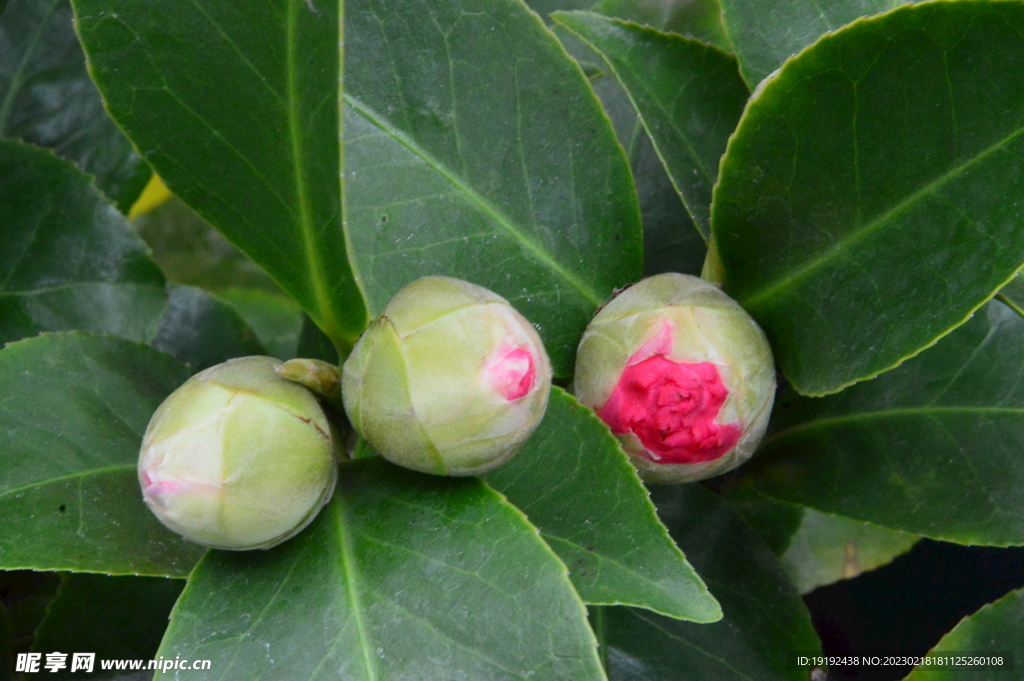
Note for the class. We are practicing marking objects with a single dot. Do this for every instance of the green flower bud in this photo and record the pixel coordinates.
(238, 457)
(682, 375)
(449, 380)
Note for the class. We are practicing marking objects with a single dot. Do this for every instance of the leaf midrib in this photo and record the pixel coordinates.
(863, 416)
(481, 202)
(835, 251)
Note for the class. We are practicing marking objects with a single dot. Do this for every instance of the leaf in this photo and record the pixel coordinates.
(201, 330)
(867, 203)
(113, 617)
(314, 344)
(476, 149)
(765, 35)
(575, 484)
(190, 251)
(816, 548)
(69, 261)
(764, 620)
(276, 319)
(828, 548)
(699, 19)
(235, 105)
(27, 595)
(930, 448)
(402, 576)
(671, 240)
(546, 7)
(47, 98)
(993, 631)
(774, 522)
(689, 97)
(73, 408)
(1013, 294)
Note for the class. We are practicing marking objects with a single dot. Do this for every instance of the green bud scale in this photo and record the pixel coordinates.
(238, 457)
(449, 380)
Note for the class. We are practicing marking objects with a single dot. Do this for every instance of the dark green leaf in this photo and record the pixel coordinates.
(689, 97)
(476, 149)
(47, 98)
(73, 408)
(774, 522)
(932, 447)
(575, 484)
(314, 344)
(277, 320)
(764, 617)
(828, 548)
(189, 251)
(671, 240)
(236, 107)
(816, 548)
(996, 628)
(201, 330)
(1013, 294)
(69, 259)
(766, 34)
(402, 576)
(700, 19)
(27, 595)
(113, 617)
(869, 200)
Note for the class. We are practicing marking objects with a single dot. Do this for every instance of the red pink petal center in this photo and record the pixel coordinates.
(511, 372)
(672, 406)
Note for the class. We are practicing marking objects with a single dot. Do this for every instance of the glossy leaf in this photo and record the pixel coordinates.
(689, 97)
(575, 484)
(27, 595)
(277, 320)
(235, 105)
(700, 19)
(930, 448)
(817, 548)
(116, 618)
(546, 7)
(47, 98)
(1013, 294)
(69, 259)
(201, 330)
(73, 408)
(774, 522)
(996, 628)
(672, 242)
(402, 576)
(766, 34)
(522, 190)
(869, 200)
(765, 618)
(190, 251)
(828, 548)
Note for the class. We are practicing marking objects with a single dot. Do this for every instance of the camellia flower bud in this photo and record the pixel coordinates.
(449, 380)
(238, 457)
(682, 375)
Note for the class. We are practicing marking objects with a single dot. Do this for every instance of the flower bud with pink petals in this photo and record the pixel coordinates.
(238, 457)
(449, 380)
(681, 374)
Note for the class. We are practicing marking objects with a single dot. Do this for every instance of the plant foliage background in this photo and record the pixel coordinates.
(852, 174)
